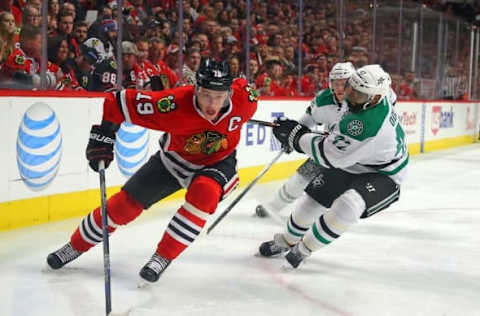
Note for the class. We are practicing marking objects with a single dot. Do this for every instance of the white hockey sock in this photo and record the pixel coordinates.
(345, 212)
(306, 210)
(288, 193)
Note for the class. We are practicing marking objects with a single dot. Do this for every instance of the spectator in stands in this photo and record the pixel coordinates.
(53, 8)
(133, 76)
(408, 88)
(217, 47)
(31, 16)
(143, 47)
(8, 6)
(35, 3)
(310, 82)
(58, 54)
(234, 67)
(68, 8)
(358, 56)
(157, 50)
(8, 35)
(204, 44)
(288, 65)
(270, 83)
(452, 85)
(187, 26)
(65, 25)
(108, 35)
(104, 13)
(153, 29)
(139, 11)
(23, 64)
(83, 65)
(253, 71)
(80, 32)
(190, 12)
(230, 49)
(192, 63)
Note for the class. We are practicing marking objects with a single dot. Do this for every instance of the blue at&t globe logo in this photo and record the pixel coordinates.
(39, 146)
(131, 148)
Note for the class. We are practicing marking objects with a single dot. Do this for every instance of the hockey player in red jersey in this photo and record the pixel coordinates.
(202, 130)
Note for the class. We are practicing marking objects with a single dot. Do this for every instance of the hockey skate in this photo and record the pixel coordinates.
(297, 254)
(62, 256)
(154, 268)
(274, 247)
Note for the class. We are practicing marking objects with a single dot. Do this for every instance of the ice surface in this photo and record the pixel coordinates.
(420, 257)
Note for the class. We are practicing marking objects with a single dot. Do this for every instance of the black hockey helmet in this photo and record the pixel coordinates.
(214, 75)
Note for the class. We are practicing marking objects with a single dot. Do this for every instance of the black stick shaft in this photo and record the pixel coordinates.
(106, 246)
(264, 123)
(241, 195)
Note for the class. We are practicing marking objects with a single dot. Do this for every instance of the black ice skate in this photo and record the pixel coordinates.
(154, 268)
(62, 256)
(297, 254)
(274, 247)
(260, 211)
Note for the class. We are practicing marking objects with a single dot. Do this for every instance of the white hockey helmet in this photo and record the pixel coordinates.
(366, 84)
(340, 71)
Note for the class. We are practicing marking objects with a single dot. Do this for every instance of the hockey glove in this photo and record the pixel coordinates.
(288, 132)
(100, 144)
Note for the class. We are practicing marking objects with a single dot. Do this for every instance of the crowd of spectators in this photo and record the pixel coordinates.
(82, 37)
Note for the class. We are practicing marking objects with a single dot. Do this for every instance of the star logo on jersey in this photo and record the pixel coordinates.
(113, 64)
(166, 104)
(355, 127)
(206, 143)
(252, 94)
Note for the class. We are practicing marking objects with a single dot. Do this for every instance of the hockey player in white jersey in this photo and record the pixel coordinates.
(326, 109)
(365, 160)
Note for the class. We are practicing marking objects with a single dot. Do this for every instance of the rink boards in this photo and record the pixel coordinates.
(45, 175)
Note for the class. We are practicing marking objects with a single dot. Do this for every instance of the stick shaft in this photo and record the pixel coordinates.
(264, 123)
(242, 194)
(106, 246)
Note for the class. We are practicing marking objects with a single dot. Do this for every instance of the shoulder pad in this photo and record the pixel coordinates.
(324, 97)
(365, 124)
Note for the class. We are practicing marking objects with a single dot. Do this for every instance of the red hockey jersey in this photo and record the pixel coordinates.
(191, 141)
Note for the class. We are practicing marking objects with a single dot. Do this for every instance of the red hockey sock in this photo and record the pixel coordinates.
(121, 209)
(201, 200)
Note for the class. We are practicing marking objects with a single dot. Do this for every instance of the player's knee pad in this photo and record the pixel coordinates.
(295, 185)
(204, 194)
(348, 207)
(306, 210)
(123, 208)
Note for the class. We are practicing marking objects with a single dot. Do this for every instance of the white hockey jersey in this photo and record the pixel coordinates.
(368, 141)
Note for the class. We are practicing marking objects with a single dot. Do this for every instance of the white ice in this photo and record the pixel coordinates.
(419, 257)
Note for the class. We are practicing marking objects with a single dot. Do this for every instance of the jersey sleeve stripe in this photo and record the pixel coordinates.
(318, 146)
(123, 103)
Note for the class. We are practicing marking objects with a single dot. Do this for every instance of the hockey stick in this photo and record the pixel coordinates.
(106, 246)
(263, 123)
(242, 194)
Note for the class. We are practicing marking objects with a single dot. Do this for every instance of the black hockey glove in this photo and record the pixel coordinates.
(100, 144)
(288, 132)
